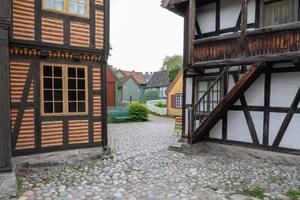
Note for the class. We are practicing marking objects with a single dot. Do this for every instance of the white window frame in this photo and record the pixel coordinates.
(178, 100)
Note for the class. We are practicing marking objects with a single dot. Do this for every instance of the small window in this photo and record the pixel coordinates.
(64, 89)
(58, 5)
(76, 90)
(212, 99)
(72, 7)
(279, 12)
(178, 100)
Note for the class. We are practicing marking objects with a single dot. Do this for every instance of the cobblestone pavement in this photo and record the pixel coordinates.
(143, 168)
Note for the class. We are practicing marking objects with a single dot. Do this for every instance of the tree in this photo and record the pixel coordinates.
(173, 72)
(172, 61)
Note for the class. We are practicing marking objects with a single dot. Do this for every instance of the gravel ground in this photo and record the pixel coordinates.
(141, 167)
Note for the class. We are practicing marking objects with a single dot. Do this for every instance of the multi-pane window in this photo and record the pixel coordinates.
(78, 7)
(53, 89)
(64, 89)
(178, 99)
(76, 89)
(211, 99)
(277, 12)
(73, 7)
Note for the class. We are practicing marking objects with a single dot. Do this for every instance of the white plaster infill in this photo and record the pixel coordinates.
(160, 111)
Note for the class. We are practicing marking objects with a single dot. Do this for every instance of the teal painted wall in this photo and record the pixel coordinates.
(131, 89)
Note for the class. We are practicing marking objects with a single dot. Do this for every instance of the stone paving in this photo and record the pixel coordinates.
(143, 168)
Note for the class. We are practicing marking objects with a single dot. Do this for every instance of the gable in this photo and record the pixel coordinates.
(178, 86)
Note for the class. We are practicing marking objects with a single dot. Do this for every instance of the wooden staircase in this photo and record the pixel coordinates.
(201, 120)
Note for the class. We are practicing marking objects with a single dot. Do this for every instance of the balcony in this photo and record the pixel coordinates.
(277, 43)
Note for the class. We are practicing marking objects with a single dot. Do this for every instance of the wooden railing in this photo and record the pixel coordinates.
(282, 39)
(206, 104)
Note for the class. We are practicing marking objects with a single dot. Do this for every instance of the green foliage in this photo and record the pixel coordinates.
(173, 73)
(161, 105)
(138, 112)
(151, 95)
(257, 192)
(172, 61)
(293, 194)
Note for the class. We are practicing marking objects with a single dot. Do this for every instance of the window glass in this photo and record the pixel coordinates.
(211, 100)
(278, 12)
(76, 7)
(53, 79)
(58, 5)
(178, 100)
(76, 89)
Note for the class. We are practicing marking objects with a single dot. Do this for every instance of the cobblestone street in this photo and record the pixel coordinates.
(143, 168)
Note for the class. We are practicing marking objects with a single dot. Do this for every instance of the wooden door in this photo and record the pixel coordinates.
(111, 94)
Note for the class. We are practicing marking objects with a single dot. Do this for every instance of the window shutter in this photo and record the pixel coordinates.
(173, 101)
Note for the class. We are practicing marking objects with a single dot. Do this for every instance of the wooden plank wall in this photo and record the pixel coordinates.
(97, 105)
(26, 139)
(78, 132)
(52, 30)
(99, 2)
(80, 34)
(99, 29)
(97, 131)
(18, 75)
(96, 78)
(52, 133)
(23, 19)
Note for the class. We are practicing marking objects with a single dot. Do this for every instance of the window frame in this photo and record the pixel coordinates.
(178, 95)
(296, 11)
(66, 9)
(209, 81)
(65, 90)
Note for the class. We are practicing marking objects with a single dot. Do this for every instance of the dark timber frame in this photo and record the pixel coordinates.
(196, 66)
(88, 56)
(5, 150)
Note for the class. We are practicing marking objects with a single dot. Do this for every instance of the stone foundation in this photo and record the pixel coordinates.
(239, 152)
(59, 158)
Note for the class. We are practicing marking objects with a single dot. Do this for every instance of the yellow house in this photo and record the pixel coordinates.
(174, 95)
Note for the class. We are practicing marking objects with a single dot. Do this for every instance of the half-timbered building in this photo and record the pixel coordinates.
(241, 72)
(52, 67)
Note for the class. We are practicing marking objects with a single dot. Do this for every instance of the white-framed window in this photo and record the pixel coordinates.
(71, 7)
(178, 100)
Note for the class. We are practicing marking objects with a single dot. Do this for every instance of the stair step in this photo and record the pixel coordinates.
(178, 146)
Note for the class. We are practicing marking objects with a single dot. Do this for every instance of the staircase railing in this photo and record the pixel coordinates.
(199, 112)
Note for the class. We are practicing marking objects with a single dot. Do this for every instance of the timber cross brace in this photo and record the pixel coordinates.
(199, 124)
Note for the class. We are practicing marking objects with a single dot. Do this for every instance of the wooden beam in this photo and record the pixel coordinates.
(287, 119)
(264, 30)
(5, 151)
(276, 57)
(248, 116)
(242, 85)
(243, 26)
(267, 107)
(191, 35)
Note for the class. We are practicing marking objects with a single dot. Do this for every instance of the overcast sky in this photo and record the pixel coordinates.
(142, 33)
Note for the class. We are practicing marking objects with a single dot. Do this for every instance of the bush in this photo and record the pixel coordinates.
(138, 112)
(161, 105)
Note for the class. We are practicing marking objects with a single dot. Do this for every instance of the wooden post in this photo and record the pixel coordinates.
(243, 27)
(5, 150)
(191, 36)
(191, 124)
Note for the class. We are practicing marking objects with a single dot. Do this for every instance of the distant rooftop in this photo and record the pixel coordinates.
(159, 79)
